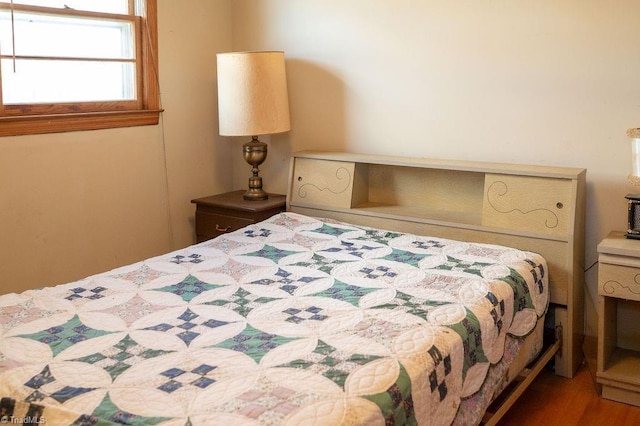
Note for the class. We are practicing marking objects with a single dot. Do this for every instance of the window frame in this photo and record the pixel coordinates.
(31, 119)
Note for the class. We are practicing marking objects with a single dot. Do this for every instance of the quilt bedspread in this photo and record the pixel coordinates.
(293, 320)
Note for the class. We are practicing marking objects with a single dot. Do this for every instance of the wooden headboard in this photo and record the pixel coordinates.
(535, 208)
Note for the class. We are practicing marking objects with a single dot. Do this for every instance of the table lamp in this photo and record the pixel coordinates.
(633, 228)
(252, 101)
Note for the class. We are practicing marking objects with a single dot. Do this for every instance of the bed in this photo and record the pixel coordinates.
(392, 291)
(294, 320)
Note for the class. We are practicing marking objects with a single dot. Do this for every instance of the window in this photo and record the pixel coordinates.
(77, 65)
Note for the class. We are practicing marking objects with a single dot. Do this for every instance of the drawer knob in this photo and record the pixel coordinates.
(221, 229)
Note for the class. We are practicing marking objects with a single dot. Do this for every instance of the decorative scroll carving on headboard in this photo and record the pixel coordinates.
(500, 189)
(343, 178)
(611, 286)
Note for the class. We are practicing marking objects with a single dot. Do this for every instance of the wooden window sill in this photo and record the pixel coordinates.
(57, 123)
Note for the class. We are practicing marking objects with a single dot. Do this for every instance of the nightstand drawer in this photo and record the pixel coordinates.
(222, 213)
(209, 225)
(622, 282)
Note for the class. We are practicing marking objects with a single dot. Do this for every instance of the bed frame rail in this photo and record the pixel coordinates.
(508, 397)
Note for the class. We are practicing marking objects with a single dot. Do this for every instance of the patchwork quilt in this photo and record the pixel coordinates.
(290, 321)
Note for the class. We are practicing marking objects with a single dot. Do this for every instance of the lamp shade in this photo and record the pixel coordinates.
(252, 94)
(634, 135)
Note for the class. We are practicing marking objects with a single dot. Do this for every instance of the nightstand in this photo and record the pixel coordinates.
(619, 318)
(218, 214)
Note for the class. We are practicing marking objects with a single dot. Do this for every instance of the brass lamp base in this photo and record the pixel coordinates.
(255, 152)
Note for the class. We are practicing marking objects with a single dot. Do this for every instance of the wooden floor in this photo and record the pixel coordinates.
(553, 400)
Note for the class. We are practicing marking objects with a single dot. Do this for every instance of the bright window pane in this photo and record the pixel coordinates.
(51, 36)
(106, 6)
(46, 81)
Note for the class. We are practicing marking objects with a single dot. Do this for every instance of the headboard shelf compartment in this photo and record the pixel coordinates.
(536, 208)
(422, 214)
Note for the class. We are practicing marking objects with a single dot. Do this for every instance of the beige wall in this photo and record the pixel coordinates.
(543, 82)
(74, 204)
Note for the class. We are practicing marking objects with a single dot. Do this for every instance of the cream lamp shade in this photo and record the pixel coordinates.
(634, 135)
(252, 94)
(252, 101)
